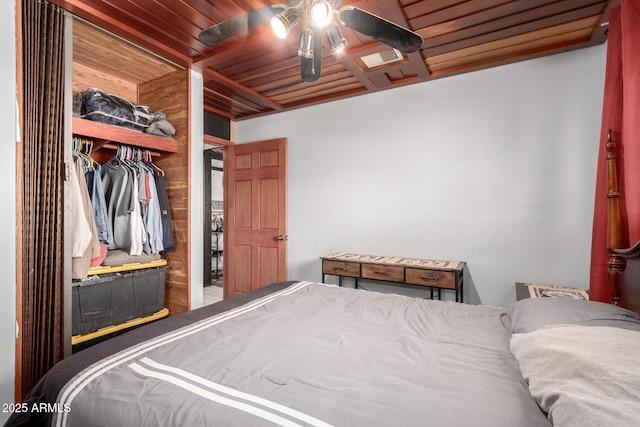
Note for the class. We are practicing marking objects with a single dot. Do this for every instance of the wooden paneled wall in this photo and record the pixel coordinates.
(106, 62)
(170, 94)
(85, 77)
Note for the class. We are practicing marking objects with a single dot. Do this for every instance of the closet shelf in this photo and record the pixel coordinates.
(127, 267)
(78, 339)
(103, 134)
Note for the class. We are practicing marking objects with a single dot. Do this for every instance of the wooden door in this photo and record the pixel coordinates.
(255, 215)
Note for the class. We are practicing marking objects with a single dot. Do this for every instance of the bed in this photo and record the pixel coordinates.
(304, 353)
(311, 354)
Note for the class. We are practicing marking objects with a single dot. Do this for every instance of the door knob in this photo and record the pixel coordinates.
(280, 237)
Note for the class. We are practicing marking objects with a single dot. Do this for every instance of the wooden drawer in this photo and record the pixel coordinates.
(436, 278)
(341, 268)
(383, 272)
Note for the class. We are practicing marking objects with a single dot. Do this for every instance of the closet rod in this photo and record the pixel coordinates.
(113, 146)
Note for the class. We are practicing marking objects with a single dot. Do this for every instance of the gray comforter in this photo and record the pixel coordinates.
(318, 355)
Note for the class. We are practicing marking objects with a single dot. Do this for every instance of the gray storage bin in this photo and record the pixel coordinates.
(114, 298)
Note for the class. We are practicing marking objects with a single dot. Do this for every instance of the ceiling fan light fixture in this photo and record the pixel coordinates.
(305, 49)
(318, 15)
(336, 40)
(321, 12)
(284, 22)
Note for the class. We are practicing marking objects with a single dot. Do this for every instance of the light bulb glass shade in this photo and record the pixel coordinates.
(321, 12)
(306, 43)
(284, 22)
(336, 40)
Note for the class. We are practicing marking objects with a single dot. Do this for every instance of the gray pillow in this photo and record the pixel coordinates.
(534, 313)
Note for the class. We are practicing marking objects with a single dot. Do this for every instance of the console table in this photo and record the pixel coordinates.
(411, 271)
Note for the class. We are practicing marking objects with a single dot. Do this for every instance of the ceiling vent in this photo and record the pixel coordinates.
(382, 58)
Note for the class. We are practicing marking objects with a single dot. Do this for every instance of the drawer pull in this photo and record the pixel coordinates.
(339, 268)
(433, 279)
(382, 273)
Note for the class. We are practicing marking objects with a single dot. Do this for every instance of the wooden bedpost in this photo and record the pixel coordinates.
(616, 263)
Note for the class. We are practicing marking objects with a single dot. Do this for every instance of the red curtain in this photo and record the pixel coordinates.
(621, 114)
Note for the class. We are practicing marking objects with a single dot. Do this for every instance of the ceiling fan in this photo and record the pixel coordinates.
(316, 15)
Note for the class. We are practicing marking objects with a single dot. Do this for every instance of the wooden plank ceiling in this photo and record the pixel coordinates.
(256, 73)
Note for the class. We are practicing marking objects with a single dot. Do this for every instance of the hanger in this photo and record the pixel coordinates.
(149, 161)
(88, 149)
(129, 160)
(115, 160)
(141, 161)
(77, 145)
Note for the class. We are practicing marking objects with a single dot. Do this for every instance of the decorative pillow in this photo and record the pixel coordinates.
(534, 313)
(582, 376)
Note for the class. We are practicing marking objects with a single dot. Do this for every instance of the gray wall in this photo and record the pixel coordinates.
(8, 197)
(495, 168)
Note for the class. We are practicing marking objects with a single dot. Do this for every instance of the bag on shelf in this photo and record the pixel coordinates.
(98, 106)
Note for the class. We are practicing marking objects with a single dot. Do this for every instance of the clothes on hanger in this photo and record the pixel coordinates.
(99, 205)
(133, 202)
(168, 241)
(85, 242)
(165, 213)
(117, 195)
(152, 216)
(126, 205)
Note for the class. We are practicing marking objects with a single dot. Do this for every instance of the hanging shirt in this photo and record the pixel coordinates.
(144, 191)
(80, 228)
(117, 192)
(99, 205)
(167, 229)
(80, 264)
(153, 219)
(137, 233)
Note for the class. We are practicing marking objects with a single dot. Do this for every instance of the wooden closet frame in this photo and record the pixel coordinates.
(169, 93)
(19, 201)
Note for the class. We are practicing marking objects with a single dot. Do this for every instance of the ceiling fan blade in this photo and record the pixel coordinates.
(380, 29)
(239, 24)
(311, 68)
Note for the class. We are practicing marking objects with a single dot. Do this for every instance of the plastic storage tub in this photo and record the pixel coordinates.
(115, 298)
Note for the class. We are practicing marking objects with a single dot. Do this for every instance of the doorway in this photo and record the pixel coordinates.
(245, 219)
(213, 225)
(256, 215)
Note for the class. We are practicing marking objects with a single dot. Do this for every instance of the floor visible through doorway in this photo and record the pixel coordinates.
(212, 294)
